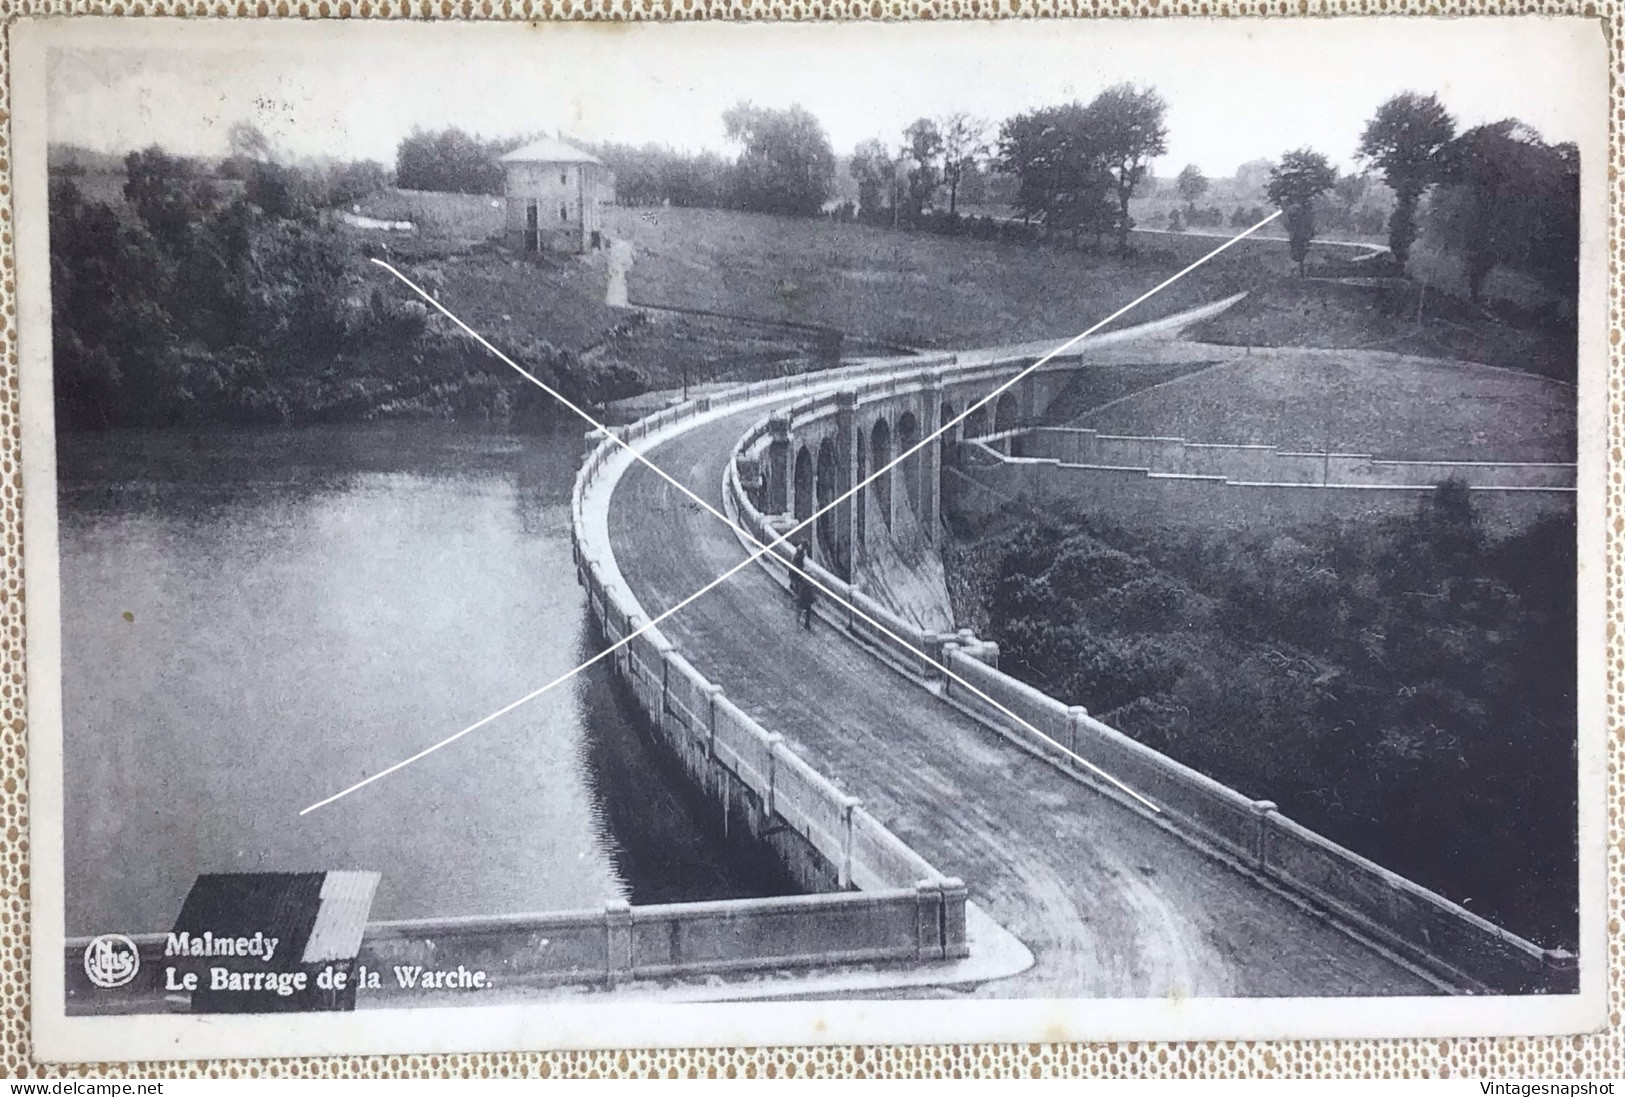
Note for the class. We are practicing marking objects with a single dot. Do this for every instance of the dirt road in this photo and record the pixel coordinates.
(1111, 904)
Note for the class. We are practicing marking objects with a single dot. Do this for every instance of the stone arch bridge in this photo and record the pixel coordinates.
(818, 452)
(1212, 894)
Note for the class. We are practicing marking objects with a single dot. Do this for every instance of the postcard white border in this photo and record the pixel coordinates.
(589, 1024)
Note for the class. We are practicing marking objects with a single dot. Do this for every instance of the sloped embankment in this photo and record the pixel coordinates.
(903, 571)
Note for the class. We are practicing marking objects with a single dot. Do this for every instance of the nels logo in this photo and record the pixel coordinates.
(111, 960)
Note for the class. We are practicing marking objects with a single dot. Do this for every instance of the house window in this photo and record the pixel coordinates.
(564, 212)
(564, 176)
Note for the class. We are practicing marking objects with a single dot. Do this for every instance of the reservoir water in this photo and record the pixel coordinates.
(254, 620)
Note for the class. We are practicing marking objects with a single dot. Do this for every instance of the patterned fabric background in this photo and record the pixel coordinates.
(1602, 1054)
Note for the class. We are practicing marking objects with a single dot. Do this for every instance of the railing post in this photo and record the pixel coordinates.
(848, 805)
(713, 694)
(950, 648)
(774, 741)
(1261, 814)
(955, 942)
(617, 941)
(1074, 725)
(634, 621)
(664, 647)
(928, 920)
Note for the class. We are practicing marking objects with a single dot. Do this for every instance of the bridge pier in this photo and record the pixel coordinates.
(848, 527)
(778, 473)
(930, 462)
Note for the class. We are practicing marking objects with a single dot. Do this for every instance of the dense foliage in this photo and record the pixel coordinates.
(1507, 197)
(1404, 687)
(451, 160)
(653, 175)
(785, 161)
(202, 299)
(1078, 165)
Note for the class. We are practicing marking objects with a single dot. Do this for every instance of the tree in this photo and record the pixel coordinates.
(1192, 183)
(348, 183)
(1302, 177)
(876, 175)
(1403, 140)
(1351, 188)
(1252, 178)
(451, 160)
(785, 161)
(652, 174)
(110, 335)
(1508, 197)
(964, 145)
(248, 142)
(280, 192)
(922, 152)
(1130, 126)
(1063, 178)
(168, 193)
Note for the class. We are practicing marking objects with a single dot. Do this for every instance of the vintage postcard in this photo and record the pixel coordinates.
(549, 536)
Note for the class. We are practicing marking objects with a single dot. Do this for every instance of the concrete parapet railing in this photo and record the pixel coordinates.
(1398, 914)
(1420, 925)
(898, 890)
(618, 943)
(1416, 923)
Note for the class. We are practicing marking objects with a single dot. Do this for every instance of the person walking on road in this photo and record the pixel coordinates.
(801, 587)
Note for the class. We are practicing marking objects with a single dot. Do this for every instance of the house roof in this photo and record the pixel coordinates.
(549, 150)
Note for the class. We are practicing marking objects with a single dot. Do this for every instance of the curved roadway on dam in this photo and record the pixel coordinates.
(1110, 903)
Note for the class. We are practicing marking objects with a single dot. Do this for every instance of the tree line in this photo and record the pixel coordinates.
(1496, 193)
(228, 292)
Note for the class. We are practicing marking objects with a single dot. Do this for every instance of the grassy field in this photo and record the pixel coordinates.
(1403, 408)
(898, 287)
(1293, 312)
(910, 288)
(460, 217)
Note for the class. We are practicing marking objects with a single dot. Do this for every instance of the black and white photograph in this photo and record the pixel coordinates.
(575, 536)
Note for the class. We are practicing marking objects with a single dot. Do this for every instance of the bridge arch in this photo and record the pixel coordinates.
(908, 435)
(976, 423)
(879, 458)
(803, 486)
(1006, 413)
(827, 478)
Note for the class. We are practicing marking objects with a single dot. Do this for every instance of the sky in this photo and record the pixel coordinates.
(1237, 90)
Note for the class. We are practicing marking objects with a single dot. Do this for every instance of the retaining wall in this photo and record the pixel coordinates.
(1272, 465)
(1144, 497)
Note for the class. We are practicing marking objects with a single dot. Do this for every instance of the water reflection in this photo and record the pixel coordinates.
(255, 619)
